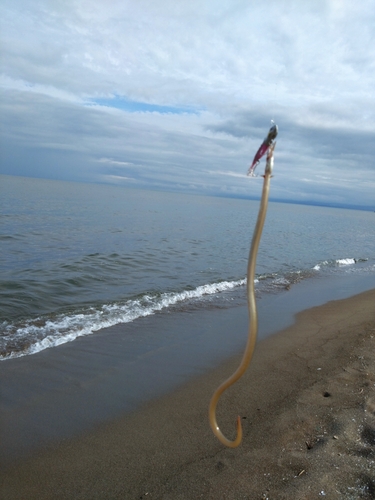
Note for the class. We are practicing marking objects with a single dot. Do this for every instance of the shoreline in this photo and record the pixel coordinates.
(298, 401)
(63, 392)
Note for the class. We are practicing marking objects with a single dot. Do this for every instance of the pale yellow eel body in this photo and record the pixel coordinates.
(253, 318)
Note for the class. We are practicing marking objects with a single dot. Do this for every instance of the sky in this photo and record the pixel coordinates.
(179, 94)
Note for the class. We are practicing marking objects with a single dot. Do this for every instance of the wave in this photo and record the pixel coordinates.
(348, 261)
(22, 338)
(32, 336)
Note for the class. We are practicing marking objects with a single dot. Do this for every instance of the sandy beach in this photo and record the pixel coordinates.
(307, 405)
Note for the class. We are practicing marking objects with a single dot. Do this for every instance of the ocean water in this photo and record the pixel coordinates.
(76, 258)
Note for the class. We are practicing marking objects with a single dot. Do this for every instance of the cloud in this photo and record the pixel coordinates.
(179, 95)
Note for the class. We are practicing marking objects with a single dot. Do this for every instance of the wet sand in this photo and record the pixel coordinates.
(307, 405)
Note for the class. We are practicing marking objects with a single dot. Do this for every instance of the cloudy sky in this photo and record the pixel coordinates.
(179, 94)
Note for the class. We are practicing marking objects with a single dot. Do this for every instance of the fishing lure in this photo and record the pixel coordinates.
(253, 317)
(268, 141)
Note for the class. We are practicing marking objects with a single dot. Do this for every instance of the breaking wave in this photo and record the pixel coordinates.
(29, 336)
(32, 336)
(348, 261)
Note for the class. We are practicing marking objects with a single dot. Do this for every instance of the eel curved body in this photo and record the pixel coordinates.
(253, 317)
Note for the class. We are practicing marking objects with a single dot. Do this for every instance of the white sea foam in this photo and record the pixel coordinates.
(317, 267)
(337, 262)
(66, 328)
(345, 262)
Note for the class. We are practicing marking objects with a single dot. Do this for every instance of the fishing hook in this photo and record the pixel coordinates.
(253, 317)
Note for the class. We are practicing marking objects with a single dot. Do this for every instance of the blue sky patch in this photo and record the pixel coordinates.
(144, 107)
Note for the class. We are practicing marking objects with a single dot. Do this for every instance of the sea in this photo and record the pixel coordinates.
(77, 258)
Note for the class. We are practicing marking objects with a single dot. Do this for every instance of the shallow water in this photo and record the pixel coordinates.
(77, 258)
